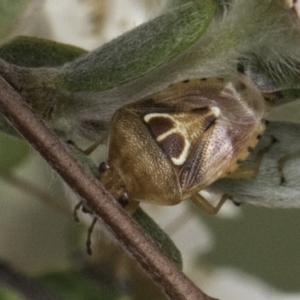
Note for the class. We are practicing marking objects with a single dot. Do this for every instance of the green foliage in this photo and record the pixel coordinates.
(189, 39)
(13, 151)
(161, 239)
(122, 60)
(35, 52)
(130, 56)
(73, 285)
(9, 294)
(140, 50)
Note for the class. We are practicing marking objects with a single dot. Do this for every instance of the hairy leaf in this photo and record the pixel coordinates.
(35, 52)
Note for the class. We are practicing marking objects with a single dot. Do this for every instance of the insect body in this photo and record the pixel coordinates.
(168, 146)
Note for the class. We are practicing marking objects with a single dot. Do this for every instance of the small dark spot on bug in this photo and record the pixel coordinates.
(220, 79)
(236, 203)
(267, 122)
(103, 167)
(250, 149)
(123, 200)
(259, 136)
(186, 81)
(239, 161)
(203, 79)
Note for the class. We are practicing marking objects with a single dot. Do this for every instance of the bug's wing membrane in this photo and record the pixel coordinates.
(217, 153)
(207, 160)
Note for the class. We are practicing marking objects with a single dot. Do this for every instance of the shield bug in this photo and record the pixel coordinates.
(170, 145)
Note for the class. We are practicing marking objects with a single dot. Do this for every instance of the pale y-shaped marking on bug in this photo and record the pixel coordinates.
(182, 154)
(177, 130)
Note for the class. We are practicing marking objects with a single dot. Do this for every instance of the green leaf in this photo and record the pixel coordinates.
(161, 239)
(263, 242)
(13, 151)
(8, 294)
(137, 52)
(35, 52)
(73, 285)
(130, 56)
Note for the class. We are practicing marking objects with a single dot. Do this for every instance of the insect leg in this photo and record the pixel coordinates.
(206, 206)
(250, 172)
(89, 240)
(93, 147)
(281, 163)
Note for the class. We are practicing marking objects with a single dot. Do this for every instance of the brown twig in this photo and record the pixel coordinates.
(171, 280)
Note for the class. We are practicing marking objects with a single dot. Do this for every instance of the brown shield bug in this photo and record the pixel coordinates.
(168, 146)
